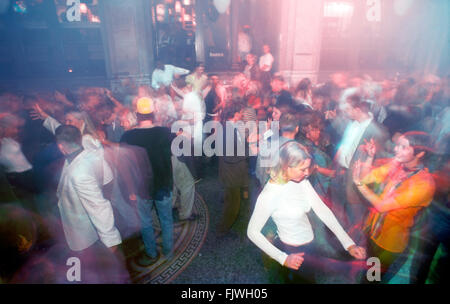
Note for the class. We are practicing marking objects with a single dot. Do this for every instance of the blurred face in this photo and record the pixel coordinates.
(404, 153)
(11, 131)
(318, 103)
(237, 116)
(266, 49)
(125, 122)
(72, 121)
(276, 114)
(312, 133)
(351, 112)
(276, 85)
(250, 59)
(200, 70)
(215, 80)
(299, 172)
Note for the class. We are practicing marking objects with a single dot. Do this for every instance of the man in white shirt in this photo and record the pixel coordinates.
(86, 215)
(266, 60)
(361, 129)
(13, 163)
(164, 74)
(265, 65)
(194, 111)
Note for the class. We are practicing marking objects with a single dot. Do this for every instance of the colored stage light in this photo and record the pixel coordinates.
(20, 7)
(83, 8)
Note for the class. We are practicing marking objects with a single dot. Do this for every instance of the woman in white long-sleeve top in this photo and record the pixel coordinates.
(287, 198)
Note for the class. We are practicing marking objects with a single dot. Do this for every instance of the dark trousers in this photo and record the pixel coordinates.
(431, 239)
(317, 268)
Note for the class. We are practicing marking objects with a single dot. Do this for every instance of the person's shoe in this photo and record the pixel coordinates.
(146, 260)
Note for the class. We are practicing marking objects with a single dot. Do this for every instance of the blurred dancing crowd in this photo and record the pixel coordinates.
(84, 169)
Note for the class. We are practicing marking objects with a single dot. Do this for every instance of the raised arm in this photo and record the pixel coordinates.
(419, 193)
(63, 99)
(50, 123)
(116, 103)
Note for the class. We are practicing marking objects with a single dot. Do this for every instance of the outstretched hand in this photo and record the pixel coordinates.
(37, 113)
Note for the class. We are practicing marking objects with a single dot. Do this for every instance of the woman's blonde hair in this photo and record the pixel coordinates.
(291, 154)
(88, 126)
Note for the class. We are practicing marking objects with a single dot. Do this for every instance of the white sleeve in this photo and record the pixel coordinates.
(180, 71)
(51, 124)
(263, 210)
(327, 217)
(155, 80)
(98, 208)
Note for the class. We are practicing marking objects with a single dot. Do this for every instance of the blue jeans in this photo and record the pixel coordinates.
(164, 211)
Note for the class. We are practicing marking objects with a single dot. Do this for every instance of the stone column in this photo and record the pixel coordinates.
(300, 39)
(128, 40)
(234, 9)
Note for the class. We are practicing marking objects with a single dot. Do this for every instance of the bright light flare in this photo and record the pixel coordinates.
(338, 9)
(401, 7)
(83, 8)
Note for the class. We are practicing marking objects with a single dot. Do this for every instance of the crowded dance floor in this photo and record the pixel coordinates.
(273, 142)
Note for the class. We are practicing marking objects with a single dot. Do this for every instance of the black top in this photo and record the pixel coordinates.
(283, 98)
(156, 141)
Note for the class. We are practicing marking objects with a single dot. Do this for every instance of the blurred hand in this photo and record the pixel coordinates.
(356, 173)
(114, 249)
(276, 114)
(370, 147)
(330, 114)
(357, 252)
(107, 92)
(294, 260)
(37, 113)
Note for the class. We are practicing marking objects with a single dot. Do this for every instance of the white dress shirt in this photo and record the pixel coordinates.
(350, 141)
(165, 78)
(288, 205)
(266, 60)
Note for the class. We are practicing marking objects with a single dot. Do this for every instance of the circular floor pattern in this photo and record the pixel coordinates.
(188, 237)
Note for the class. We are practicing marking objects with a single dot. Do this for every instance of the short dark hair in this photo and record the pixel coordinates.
(231, 109)
(356, 101)
(313, 119)
(145, 117)
(288, 122)
(420, 141)
(68, 134)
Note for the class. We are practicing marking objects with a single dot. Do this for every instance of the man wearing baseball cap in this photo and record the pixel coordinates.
(157, 142)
